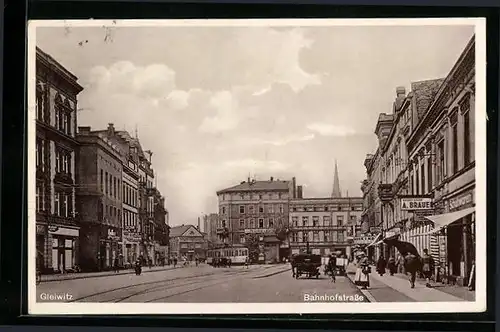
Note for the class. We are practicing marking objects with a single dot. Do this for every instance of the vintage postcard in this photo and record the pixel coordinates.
(257, 166)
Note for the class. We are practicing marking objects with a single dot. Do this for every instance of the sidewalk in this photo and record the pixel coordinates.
(401, 284)
(85, 275)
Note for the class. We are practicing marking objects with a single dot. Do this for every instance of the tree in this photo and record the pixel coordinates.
(252, 244)
(281, 232)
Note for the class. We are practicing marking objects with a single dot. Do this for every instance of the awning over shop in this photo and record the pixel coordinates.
(443, 220)
(271, 239)
(374, 242)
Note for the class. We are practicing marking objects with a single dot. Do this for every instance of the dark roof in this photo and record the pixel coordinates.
(258, 186)
(179, 230)
(424, 92)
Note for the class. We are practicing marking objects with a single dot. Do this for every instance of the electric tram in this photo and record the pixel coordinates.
(236, 255)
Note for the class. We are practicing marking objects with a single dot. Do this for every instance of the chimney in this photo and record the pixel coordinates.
(111, 129)
(248, 179)
(400, 92)
(299, 192)
(271, 179)
(294, 187)
(84, 130)
(199, 224)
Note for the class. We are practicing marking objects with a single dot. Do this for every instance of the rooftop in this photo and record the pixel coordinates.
(424, 92)
(179, 230)
(271, 185)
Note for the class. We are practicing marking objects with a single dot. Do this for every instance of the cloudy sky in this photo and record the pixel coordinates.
(216, 104)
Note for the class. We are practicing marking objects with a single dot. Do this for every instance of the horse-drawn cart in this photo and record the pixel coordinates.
(307, 264)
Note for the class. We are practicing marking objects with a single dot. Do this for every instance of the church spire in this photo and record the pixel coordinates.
(336, 185)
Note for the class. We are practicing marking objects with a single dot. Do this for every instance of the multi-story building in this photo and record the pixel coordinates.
(210, 227)
(326, 225)
(442, 169)
(161, 228)
(257, 208)
(187, 242)
(57, 229)
(131, 226)
(99, 200)
(146, 203)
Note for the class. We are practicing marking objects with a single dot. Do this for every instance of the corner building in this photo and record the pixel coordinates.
(260, 208)
(57, 226)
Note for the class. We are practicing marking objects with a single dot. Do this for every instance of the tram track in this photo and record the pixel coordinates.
(149, 287)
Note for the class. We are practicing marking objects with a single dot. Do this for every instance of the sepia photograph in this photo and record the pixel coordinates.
(257, 166)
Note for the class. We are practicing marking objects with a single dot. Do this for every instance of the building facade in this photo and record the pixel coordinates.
(57, 226)
(210, 225)
(146, 203)
(99, 200)
(187, 242)
(257, 212)
(161, 228)
(326, 225)
(442, 168)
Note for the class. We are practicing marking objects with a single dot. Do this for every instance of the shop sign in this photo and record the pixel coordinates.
(132, 237)
(375, 230)
(40, 229)
(460, 201)
(259, 231)
(53, 228)
(63, 231)
(364, 239)
(416, 203)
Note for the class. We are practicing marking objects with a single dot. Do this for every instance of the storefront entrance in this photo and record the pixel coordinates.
(454, 248)
(63, 255)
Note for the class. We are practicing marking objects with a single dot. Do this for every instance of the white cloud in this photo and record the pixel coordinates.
(288, 140)
(178, 99)
(226, 118)
(330, 130)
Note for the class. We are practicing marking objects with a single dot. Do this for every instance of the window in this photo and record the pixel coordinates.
(353, 218)
(454, 143)
(115, 185)
(339, 208)
(270, 208)
(242, 209)
(261, 209)
(102, 181)
(57, 204)
(326, 236)
(40, 197)
(242, 223)
(271, 222)
(260, 196)
(294, 209)
(340, 220)
(441, 170)
(417, 182)
(422, 175)
(242, 238)
(315, 221)
(429, 174)
(295, 221)
(223, 210)
(250, 209)
(106, 183)
(411, 182)
(340, 237)
(281, 208)
(223, 224)
(326, 220)
(295, 237)
(40, 153)
(352, 208)
(326, 208)
(40, 105)
(252, 223)
(335, 237)
(261, 223)
(467, 138)
(305, 221)
(305, 237)
(315, 236)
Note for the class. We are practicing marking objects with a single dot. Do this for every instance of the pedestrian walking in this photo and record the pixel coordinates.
(427, 267)
(116, 265)
(197, 261)
(391, 265)
(175, 262)
(362, 277)
(411, 267)
(247, 261)
(400, 263)
(381, 264)
(150, 263)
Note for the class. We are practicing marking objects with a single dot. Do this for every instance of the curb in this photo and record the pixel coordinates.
(105, 275)
(368, 296)
(270, 274)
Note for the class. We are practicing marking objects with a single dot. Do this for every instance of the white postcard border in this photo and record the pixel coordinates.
(479, 305)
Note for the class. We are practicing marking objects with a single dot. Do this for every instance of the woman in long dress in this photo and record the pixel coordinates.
(362, 277)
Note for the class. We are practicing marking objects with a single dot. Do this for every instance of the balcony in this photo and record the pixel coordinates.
(385, 192)
(66, 178)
